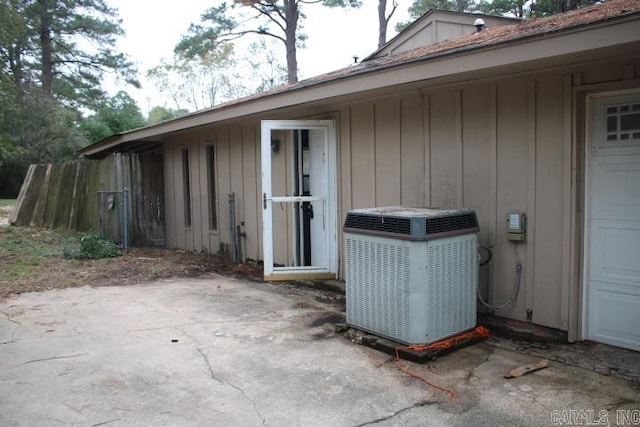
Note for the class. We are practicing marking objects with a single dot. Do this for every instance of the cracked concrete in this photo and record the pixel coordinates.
(395, 414)
(220, 351)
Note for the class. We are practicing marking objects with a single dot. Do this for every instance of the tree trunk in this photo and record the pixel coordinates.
(292, 14)
(47, 49)
(382, 22)
(15, 65)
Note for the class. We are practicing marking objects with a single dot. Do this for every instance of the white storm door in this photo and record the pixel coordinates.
(299, 199)
(613, 223)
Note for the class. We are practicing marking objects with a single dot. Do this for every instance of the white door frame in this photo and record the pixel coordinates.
(593, 103)
(328, 271)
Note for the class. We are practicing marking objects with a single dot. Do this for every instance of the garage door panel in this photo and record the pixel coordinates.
(615, 252)
(614, 316)
(616, 188)
(613, 235)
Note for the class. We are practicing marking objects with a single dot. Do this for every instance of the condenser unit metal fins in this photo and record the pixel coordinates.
(413, 284)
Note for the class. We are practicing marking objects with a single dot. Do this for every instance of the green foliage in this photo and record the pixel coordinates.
(550, 7)
(161, 114)
(420, 7)
(90, 245)
(53, 57)
(117, 114)
(66, 47)
(35, 129)
(515, 8)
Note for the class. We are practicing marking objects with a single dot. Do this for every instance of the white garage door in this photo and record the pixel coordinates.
(613, 223)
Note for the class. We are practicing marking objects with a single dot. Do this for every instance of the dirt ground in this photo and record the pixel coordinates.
(31, 259)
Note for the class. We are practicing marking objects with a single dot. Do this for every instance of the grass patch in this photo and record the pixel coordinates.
(26, 255)
(7, 202)
(33, 259)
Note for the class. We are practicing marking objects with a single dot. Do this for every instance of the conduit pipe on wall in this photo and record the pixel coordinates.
(516, 285)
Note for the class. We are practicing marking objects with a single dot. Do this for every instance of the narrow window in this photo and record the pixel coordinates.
(211, 175)
(186, 187)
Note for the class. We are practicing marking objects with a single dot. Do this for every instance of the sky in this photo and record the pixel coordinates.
(154, 27)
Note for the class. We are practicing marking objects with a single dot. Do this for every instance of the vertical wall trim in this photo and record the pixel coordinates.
(174, 190)
(400, 140)
(532, 196)
(493, 159)
(257, 160)
(426, 126)
(434, 32)
(574, 297)
(350, 131)
(577, 79)
(213, 236)
(227, 140)
(493, 185)
(629, 71)
(204, 218)
(227, 137)
(241, 185)
(375, 148)
(459, 151)
(348, 121)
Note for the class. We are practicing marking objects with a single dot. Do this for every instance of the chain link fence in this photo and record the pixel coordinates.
(222, 214)
(140, 221)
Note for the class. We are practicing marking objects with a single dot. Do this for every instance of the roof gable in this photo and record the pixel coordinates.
(436, 26)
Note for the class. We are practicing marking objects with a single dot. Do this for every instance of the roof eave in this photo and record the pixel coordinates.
(341, 84)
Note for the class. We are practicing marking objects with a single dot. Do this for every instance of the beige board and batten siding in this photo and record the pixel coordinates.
(495, 148)
(237, 170)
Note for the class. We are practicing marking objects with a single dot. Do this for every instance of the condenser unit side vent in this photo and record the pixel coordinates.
(383, 225)
(453, 224)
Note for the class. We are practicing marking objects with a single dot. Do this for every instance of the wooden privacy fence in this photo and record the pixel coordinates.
(87, 195)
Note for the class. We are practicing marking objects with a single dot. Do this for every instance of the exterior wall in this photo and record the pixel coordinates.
(495, 146)
(237, 170)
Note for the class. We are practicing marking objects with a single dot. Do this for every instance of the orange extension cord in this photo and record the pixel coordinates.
(478, 332)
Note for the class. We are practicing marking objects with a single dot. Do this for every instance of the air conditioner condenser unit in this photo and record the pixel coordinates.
(411, 272)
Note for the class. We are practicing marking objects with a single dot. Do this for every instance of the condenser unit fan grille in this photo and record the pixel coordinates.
(400, 226)
(410, 223)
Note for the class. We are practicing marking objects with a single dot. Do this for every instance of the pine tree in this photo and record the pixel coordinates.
(279, 19)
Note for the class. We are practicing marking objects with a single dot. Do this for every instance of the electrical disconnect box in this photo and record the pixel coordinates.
(516, 226)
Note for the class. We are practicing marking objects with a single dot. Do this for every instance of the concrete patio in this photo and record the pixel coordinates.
(228, 352)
